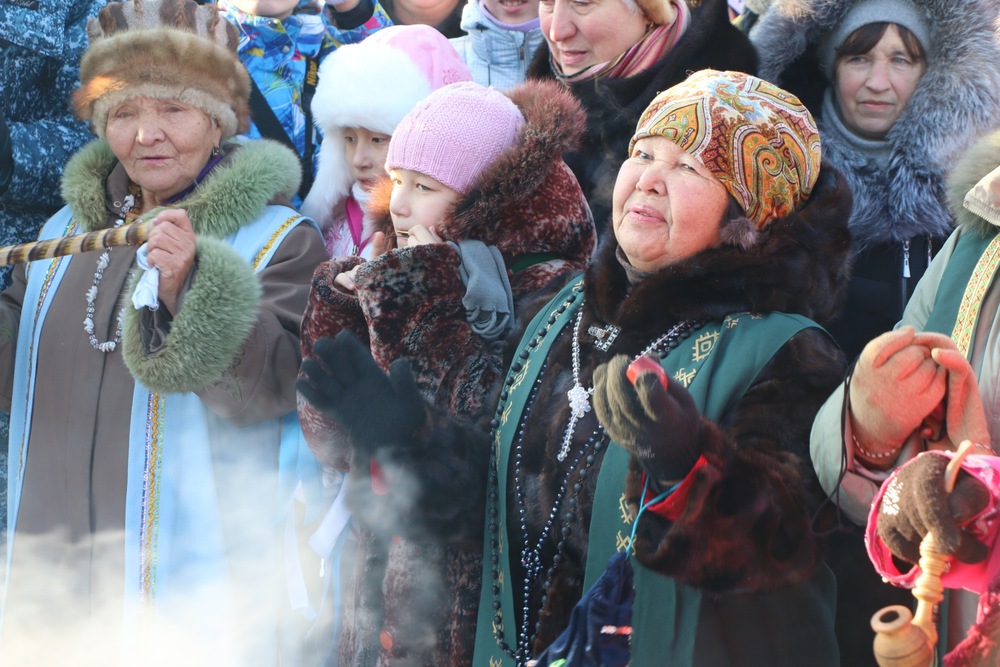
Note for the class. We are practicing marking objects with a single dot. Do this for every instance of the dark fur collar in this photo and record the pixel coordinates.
(800, 265)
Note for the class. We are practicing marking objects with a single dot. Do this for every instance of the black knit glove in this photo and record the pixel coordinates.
(660, 427)
(6, 156)
(916, 503)
(342, 381)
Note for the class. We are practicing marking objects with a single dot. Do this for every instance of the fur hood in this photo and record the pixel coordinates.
(812, 244)
(249, 177)
(957, 100)
(980, 160)
(528, 201)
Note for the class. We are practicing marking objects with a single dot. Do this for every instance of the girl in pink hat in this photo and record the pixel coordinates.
(364, 91)
(478, 214)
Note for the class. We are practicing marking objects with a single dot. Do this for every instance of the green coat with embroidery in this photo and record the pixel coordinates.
(746, 538)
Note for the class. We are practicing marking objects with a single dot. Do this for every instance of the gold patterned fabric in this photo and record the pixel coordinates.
(758, 140)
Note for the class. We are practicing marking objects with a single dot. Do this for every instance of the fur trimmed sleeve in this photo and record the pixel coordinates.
(202, 338)
(328, 312)
(412, 301)
(747, 523)
(235, 339)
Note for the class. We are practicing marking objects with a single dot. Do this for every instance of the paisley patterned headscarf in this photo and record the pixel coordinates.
(758, 140)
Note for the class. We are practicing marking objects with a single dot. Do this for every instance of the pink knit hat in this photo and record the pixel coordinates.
(373, 84)
(455, 134)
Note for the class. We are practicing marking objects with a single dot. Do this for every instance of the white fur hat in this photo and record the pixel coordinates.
(373, 85)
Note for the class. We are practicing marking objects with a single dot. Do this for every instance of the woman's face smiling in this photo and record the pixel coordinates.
(512, 11)
(667, 205)
(583, 33)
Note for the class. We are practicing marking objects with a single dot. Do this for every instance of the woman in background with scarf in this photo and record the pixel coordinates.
(615, 56)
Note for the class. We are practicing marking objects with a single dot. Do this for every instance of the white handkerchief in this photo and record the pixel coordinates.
(147, 291)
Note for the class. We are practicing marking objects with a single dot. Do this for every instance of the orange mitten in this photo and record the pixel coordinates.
(895, 385)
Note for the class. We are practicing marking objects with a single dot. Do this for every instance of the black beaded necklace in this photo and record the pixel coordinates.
(531, 555)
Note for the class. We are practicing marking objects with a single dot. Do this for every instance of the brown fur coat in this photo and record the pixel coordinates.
(747, 526)
(408, 305)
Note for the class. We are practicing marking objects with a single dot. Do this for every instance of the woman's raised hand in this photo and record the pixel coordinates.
(171, 249)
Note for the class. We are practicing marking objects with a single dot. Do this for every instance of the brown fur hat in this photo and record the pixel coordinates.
(164, 49)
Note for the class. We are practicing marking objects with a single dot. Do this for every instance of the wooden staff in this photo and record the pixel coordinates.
(903, 639)
(131, 235)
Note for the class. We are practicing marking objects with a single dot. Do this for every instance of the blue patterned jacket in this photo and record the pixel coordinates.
(276, 53)
(42, 42)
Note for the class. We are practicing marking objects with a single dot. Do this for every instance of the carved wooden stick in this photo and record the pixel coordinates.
(132, 235)
(903, 639)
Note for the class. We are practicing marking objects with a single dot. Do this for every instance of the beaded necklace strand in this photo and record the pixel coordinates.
(128, 205)
(531, 555)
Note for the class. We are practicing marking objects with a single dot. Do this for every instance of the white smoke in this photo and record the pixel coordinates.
(62, 612)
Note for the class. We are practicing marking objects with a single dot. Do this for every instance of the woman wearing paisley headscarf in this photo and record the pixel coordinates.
(615, 56)
(729, 241)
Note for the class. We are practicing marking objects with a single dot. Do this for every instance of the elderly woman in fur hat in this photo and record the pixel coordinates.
(615, 56)
(145, 438)
(729, 240)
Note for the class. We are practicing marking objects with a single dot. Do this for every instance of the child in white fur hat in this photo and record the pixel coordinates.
(364, 91)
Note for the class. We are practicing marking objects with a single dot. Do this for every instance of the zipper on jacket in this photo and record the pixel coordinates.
(906, 258)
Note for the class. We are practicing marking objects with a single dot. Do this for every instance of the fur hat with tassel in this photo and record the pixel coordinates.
(164, 49)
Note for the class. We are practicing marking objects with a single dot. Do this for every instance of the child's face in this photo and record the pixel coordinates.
(365, 152)
(276, 9)
(417, 201)
(512, 11)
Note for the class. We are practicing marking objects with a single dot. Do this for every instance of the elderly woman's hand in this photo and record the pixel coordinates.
(171, 249)
(896, 385)
(660, 426)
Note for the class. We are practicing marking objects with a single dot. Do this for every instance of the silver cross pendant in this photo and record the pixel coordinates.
(604, 336)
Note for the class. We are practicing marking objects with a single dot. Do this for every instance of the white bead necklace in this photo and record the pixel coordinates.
(579, 398)
(102, 263)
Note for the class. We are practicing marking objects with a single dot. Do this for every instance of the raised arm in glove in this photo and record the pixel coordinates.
(425, 457)
(659, 425)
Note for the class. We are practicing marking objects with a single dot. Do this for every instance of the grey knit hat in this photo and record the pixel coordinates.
(900, 12)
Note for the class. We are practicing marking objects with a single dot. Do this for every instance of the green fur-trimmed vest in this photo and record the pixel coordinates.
(717, 364)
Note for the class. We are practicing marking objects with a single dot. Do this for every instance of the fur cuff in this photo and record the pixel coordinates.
(218, 313)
